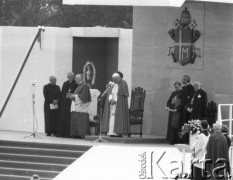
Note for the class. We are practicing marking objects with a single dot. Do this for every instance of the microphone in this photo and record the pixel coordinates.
(33, 83)
(109, 84)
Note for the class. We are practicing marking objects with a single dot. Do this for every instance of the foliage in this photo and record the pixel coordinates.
(54, 13)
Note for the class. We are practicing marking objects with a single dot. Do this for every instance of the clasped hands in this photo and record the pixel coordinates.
(55, 102)
(172, 110)
(72, 97)
(190, 110)
(112, 102)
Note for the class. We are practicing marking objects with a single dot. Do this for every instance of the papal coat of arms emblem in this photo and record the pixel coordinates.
(184, 36)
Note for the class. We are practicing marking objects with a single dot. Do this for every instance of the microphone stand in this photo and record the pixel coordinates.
(33, 88)
(101, 116)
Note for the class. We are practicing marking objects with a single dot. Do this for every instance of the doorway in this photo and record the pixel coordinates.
(96, 59)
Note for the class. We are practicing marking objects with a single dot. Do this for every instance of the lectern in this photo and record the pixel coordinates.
(184, 149)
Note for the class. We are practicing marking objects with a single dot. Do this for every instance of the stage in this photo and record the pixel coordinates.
(70, 158)
(146, 140)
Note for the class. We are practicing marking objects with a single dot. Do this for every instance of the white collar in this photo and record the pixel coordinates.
(186, 84)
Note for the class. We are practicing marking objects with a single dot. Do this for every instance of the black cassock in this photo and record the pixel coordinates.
(173, 129)
(217, 156)
(185, 116)
(65, 114)
(189, 91)
(51, 93)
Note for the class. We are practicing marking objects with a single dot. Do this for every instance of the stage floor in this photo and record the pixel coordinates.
(89, 140)
(108, 157)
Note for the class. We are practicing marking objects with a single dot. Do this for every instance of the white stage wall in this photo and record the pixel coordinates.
(54, 59)
(125, 55)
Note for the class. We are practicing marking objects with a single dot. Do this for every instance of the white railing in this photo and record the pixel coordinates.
(227, 120)
(226, 109)
(230, 158)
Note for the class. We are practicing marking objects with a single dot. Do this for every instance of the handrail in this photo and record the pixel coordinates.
(229, 118)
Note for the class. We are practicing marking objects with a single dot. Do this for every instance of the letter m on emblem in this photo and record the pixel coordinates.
(185, 51)
(185, 54)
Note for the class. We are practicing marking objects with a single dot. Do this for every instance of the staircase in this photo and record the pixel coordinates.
(20, 160)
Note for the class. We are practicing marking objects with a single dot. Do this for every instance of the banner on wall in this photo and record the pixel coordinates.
(89, 73)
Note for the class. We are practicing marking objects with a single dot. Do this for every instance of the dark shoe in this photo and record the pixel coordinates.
(48, 134)
(119, 135)
(78, 137)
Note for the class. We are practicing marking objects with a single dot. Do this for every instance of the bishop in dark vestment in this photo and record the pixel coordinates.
(175, 106)
(65, 114)
(217, 155)
(80, 108)
(51, 93)
(115, 120)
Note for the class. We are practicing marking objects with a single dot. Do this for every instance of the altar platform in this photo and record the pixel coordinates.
(146, 140)
(134, 139)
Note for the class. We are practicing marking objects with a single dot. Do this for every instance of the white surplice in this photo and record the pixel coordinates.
(78, 106)
(113, 96)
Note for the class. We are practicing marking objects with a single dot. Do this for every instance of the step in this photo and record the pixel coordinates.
(28, 172)
(37, 158)
(41, 151)
(129, 140)
(13, 177)
(20, 160)
(45, 145)
(31, 165)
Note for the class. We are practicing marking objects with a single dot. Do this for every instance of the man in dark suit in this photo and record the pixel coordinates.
(188, 91)
(198, 105)
(187, 87)
(52, 95)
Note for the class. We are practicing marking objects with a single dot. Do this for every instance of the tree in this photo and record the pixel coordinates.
(54, 13)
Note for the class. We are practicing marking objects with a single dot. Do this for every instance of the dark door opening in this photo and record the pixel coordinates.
(96, 59)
